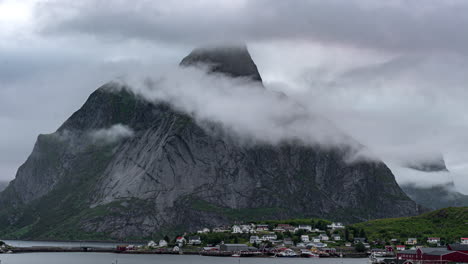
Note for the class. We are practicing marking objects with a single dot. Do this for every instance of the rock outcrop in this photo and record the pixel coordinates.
(170, 174)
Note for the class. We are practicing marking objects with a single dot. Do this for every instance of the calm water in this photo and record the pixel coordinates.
(20, 243)
(109, 258)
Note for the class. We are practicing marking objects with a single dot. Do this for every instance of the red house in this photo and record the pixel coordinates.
(432, 256)
(389, 248)
(400, 247)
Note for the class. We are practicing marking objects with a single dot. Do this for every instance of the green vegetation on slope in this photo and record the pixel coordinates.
(448, 224)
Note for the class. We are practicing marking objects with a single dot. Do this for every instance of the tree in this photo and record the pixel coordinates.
(167, 238)
(362, 233)
(280, 236)
(346, 234)
(360, 247)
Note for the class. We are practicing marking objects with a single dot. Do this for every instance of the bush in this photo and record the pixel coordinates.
(360, 247)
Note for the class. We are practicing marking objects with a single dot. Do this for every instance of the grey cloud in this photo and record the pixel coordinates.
(111, 134)
(405, 109)
(241, 106)
(399, 26)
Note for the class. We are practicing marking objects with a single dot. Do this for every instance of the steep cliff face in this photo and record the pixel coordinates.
(171, 174)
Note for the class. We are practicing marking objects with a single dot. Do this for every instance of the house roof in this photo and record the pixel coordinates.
(458, 247)
(194, 238)
(435, 251)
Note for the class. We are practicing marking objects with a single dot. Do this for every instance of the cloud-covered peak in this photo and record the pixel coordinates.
(233, 60)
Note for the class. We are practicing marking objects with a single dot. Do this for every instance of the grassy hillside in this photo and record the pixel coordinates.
(449, 224)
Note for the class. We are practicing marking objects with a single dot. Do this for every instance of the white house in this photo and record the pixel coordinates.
(316, 239)
(221, 229)
(324, 237)
(194, 240)
(263, 228)
(305, 238)
(433, 240)
(203, 231)
(317, 245)
(301, 245)
(152, 244)
(255, 239)
(288, 241)
(180, 241)
(336, 226)
(279, 230)
(464, 240)
(247, 229)
(286, 227)
(412, 241)
(163, 243)
(307, 228)
(400, 247)
(269, 237)
(336, 237)
(236, 229)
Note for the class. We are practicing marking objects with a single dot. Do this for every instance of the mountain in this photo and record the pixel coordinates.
(448, 223)
(122, 167)
(436, 196)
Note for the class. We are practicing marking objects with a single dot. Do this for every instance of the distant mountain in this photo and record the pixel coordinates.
(122, 167)
(437, 196)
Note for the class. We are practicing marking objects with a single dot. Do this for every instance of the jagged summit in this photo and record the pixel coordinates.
(231, 60)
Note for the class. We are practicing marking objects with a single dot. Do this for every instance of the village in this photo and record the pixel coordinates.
(320, 239)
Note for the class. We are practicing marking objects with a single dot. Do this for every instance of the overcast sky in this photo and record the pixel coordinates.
(392, 74)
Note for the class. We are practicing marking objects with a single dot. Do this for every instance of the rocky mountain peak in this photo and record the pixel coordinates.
(234, 61)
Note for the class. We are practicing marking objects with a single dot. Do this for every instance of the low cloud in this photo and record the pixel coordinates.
(244, 108)
(111, 135)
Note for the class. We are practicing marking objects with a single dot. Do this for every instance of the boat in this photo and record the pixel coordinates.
(288, 253)
(308, 254)
(235, 255)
